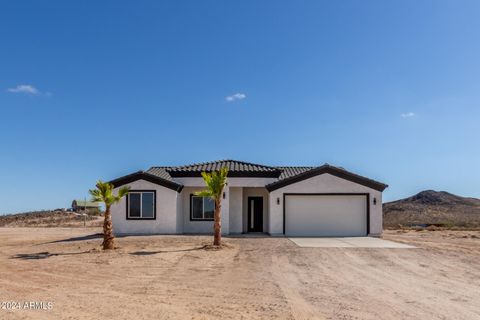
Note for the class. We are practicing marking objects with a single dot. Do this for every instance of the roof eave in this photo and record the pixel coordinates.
(142, 175)
(340, 173)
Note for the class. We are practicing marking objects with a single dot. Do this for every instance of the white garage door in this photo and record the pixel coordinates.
(326, 215)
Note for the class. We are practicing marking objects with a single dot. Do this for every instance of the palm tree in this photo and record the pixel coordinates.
(104, 193)
(215, 183)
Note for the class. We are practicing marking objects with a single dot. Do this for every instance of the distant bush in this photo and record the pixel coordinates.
(94, 212)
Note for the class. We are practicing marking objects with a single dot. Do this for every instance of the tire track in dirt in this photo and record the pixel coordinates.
(287, 280)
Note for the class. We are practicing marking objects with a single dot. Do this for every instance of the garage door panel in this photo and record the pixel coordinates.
(325, 215)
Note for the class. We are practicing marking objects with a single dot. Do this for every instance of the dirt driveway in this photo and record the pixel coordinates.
(173, 277)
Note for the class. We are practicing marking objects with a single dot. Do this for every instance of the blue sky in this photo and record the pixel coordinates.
(95, 89)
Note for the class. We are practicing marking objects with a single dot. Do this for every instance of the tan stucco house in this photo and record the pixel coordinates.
(291, 201)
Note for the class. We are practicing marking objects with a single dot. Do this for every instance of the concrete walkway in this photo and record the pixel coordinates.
(348, 242)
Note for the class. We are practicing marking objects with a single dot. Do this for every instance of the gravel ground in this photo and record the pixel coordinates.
(176, 277)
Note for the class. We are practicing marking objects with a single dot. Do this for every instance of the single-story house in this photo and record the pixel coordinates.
(79, 205)
(291, 201)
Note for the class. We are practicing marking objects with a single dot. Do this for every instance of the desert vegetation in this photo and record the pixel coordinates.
(52, 218)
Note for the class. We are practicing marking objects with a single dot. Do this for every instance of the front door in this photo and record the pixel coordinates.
(255, 214)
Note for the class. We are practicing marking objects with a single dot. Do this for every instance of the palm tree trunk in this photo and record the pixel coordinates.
(217, 225)
(108, 238)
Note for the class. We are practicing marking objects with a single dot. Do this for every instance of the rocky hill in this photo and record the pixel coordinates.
(433, 207)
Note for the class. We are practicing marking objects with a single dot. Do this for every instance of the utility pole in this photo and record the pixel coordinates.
(85, 212)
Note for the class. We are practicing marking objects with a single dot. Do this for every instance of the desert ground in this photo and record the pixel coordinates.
(176, 277)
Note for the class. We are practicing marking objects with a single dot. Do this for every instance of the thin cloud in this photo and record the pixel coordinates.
(407, 115)
(24, 88)
(236, 96)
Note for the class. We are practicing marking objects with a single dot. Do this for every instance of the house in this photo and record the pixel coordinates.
(291, 201)
(80, 205)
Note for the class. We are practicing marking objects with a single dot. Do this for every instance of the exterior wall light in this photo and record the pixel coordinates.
(278, 200)
(224, 195)
(374, 201)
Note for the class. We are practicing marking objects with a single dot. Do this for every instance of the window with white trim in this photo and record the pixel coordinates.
(201, 208)
(141, 205)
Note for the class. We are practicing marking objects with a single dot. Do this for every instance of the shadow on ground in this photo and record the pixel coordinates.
(147, 253)
(94, 236)
(82, 238)
(44, 255)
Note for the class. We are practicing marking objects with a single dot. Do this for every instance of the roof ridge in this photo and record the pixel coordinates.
(295, 166)
(251, 163)
(192, 164)
(282, 167)
(216, 161)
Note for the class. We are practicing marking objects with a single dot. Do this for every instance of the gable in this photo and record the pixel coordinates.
(327, 169)
(141, 175)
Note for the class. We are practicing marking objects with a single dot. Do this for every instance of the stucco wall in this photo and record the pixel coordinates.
(192, 226)
(180, 213)
(233, 206)
(202, 226)
(236, 214)
(173, 209)
(166, 212)
(255, 192)
(324, 183)
(232, 182)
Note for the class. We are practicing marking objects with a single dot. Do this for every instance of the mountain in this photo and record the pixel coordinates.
(433, 207)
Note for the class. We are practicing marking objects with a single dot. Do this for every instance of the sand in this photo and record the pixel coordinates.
(175, 277)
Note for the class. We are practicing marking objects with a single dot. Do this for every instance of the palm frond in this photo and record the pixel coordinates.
(215, 183)
(104, 193)
(121, 193)
(204, 193)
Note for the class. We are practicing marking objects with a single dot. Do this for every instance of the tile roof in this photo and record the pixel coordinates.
(160, 172)
(288, 172)
(285, 175)
(235, 168)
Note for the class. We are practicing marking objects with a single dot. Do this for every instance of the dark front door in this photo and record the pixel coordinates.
(255, 214)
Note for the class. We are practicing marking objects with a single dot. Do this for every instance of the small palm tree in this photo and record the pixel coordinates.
(215, 183)
(104, 193)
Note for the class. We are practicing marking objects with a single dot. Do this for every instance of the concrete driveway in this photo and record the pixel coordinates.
(348, 242)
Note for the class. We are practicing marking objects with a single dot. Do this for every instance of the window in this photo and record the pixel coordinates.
(201, 208)
(141, 205)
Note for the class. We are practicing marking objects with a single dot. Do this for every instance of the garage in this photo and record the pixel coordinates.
(326, 215)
